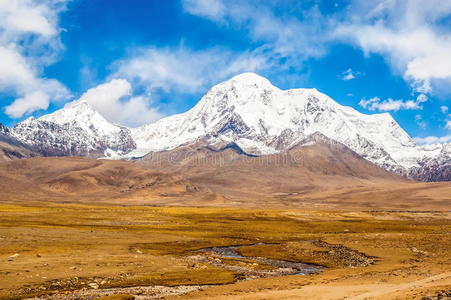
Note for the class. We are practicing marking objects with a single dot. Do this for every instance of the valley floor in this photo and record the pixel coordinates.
(75, 251)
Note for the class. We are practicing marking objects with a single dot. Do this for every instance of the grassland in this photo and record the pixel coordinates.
(66, 247)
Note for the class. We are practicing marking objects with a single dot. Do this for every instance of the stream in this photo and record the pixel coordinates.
(251, 270)
(246, 267)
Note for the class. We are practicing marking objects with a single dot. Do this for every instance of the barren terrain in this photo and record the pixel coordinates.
(73, 228)
(86, 251)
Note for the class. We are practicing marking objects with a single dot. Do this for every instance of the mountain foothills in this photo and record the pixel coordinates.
(86, 180)
(246, 113)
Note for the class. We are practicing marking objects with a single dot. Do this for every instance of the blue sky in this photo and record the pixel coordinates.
(137, 61)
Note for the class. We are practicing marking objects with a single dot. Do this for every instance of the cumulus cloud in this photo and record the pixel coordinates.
(389, 104)
(185, 70)
(155, 72)
(412, 35)
(27, 16)
(29, 42)
(114, 100)
(408, 33)
(27, 104)
(444, 109)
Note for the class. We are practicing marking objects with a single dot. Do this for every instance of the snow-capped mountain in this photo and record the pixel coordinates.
(3, 129)
(247, 111)
(436, 168)
(76, 130)
(263, 119)
(11, 148)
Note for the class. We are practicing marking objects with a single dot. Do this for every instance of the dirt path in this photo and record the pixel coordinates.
(430, 281)
(354, 292)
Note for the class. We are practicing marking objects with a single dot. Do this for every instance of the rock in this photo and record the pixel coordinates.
(198, 266)
(13, 257)
(93, 285)
(117, 297)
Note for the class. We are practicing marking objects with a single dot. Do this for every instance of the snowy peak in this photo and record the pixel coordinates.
(76, 129)
(81, 114)
(263, 119)
(247, 111)
(249, 80)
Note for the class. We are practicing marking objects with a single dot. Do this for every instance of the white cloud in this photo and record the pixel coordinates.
(185, 70)
(420, 122)
(211, 9)
(389, 104)
(422, 98)
(349, 74)
(412, 35)
(29, 42)
(16, 74)
(432, 140)
(297, 34)
(14, 70)
(444, 109)
(176, 71)
(408, 33)
(115, 102)
(448, 124)
(27, 104)
(136, 111)
(27, 16)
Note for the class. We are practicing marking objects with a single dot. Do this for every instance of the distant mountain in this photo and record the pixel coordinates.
(75, 130)
(434, 169)
(248, 112)
(315, 165)
(4, 130)
(11, 148)
(262, 119)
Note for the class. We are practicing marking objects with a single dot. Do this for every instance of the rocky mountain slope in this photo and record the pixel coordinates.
(4, 130)
(262, 119)
(76, 130)
(11, 148)
(316, 164)
(247, 111)
(316, 173)
(434, 169)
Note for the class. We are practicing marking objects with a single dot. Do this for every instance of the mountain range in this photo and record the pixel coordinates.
(246, 114)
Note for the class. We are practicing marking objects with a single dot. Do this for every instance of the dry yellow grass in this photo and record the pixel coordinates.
(69, 225)
(66, 247)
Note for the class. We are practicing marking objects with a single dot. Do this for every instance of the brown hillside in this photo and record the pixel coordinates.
(81, 179)
(319, 174)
